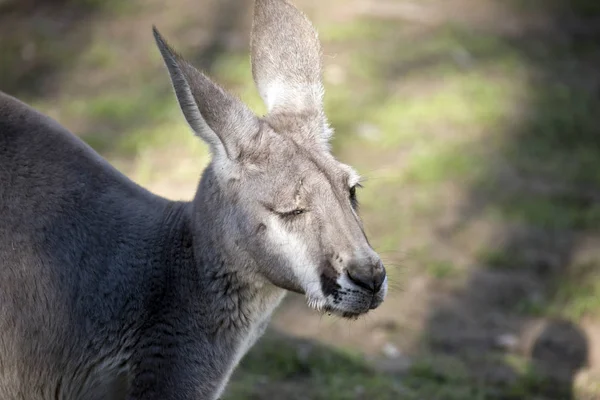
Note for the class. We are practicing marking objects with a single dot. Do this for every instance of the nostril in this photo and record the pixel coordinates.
(369, 276)
(360, 278)
(379, 275)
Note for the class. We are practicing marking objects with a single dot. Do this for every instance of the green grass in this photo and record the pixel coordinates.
(561, 135)
(579, 295)
(530, 382)
(549, 213)
(574, 296)
(431, 164)
(122, 122)
(233, 71)
(141, 131)
(304, 370)
(315, 371)
(100, 55)
(437, 267)
(362, 30)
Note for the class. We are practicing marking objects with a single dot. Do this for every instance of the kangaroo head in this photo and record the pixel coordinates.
(292, 206)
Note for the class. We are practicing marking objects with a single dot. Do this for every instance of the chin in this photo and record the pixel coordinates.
(349, 304)
(351, 312)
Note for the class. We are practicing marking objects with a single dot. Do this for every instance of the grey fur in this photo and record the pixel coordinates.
(108, 291)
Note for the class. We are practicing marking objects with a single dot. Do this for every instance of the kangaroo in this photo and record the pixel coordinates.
(108, 291)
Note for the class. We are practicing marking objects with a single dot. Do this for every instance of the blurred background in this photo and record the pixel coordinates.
(475, 125)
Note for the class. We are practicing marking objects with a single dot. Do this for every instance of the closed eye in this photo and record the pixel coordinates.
(353, 199)
(292, 213)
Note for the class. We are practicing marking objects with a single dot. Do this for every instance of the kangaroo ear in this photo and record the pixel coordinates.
(286, 59)
(219, 118)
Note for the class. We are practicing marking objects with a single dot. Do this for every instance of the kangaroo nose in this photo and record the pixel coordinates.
(367, 276)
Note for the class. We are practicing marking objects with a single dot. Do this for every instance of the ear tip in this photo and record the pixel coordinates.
(261, 2)
(157, 35)
(166, 50)
(268, 12)
(269, 7)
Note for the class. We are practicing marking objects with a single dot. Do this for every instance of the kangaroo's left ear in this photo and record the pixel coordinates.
(220, 119)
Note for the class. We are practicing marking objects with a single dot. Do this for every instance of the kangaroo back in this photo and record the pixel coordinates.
(66, 226)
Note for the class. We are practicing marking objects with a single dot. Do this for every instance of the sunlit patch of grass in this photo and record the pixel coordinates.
(433, 164)
(453, 107)
(346, 109)
(587, 386)
(441, 269)
(579, 295)
(362, 30)
(234, 72)
(431, 127)
(434, 265)
(430, 123)
(143, 133)
(99, 55)
(436, 127)
(122, 122)
(123, 108)
(386, 219)
(455, 98)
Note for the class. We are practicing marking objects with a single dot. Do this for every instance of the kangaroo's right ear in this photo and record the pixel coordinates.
(286, 64)
(220, 119)
(286, 58)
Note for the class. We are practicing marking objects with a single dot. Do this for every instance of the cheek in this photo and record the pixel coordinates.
(296, 251)
(280, 239)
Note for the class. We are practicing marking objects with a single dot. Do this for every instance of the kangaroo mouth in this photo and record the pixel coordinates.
(342, 297)
(348, 308)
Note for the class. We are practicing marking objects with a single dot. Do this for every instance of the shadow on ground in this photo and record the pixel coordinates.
(514, 325)
(286, 367)
(39, 41)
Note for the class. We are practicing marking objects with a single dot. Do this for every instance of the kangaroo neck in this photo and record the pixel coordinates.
(235, 293)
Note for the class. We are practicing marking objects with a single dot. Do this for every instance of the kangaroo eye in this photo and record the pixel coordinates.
(353, 199)
(293, 213)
